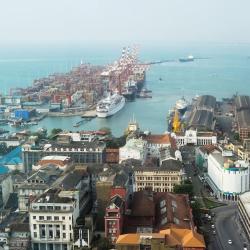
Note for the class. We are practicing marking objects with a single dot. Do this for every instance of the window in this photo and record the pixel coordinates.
(41, 217)
(63, 218)
(34, 217)
(35, 234)
(63, 227)
(64, 235)
(56, 218)
(34, 226)
(49, 218)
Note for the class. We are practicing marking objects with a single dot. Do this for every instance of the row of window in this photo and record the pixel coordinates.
(50, 226)
(50, 218)
(155, 184)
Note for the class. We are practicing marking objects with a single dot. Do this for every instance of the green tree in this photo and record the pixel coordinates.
(185, 188)
(56, 131)
(236, 136)
(103, 244)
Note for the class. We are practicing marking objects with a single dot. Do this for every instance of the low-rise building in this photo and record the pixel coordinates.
(153, 211)
(78, 151)
(228, 176)
(134, 149)
(156, 142)
(61, 162)
(159, 179)
(35, 185)
(193, 137)
(173, 238)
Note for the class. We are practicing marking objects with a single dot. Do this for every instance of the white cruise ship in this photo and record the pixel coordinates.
(110, 105)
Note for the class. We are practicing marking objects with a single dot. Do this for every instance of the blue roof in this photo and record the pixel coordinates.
(3, 170)
(13, 156)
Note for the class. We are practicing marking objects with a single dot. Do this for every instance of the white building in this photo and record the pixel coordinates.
(53, 215)
(134, 149)
(227, 176)
(195, 138)
(52, 219)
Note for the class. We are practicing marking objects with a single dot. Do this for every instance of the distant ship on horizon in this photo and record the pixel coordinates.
(190, 58)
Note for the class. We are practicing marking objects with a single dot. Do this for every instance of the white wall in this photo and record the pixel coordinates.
(226, 180)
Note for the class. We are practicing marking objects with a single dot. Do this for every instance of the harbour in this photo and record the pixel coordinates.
(177, 80)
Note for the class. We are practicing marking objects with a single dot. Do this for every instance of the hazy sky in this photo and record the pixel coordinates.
(127, 20)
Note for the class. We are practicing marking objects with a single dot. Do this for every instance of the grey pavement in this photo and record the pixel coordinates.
(227, 228)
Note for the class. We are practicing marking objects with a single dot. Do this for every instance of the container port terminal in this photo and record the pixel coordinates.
(76, 92)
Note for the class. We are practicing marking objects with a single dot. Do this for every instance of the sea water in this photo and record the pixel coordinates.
(220, 70)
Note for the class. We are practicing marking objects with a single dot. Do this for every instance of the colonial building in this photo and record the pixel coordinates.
(159, 179)
(114, 217)
(53, 215)
(35, 185)
(193, 137)
(78, 151)
(172, 238)
(134, 149)
(156, 142)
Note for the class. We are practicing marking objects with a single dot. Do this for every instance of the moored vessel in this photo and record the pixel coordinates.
(110, 105)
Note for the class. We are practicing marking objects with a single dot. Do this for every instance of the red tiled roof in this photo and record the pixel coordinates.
(118, 191)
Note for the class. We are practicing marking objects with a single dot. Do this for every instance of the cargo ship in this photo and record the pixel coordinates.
(130, 90)
(110, 105)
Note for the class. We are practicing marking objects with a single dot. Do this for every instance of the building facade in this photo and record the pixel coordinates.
(114, 217)
(195, 138)
(227, 175)
(159, 179)
(244, 211)
(134, 149)
(79, 152)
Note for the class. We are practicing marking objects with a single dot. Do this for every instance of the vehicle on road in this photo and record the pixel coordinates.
(214, 232)
(230, 242)
(212, 226)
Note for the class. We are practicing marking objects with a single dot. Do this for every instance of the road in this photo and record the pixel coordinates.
(226, 228)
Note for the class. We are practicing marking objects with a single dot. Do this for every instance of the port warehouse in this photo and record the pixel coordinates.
(24, 114)
(242, 114)
(201, 116)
